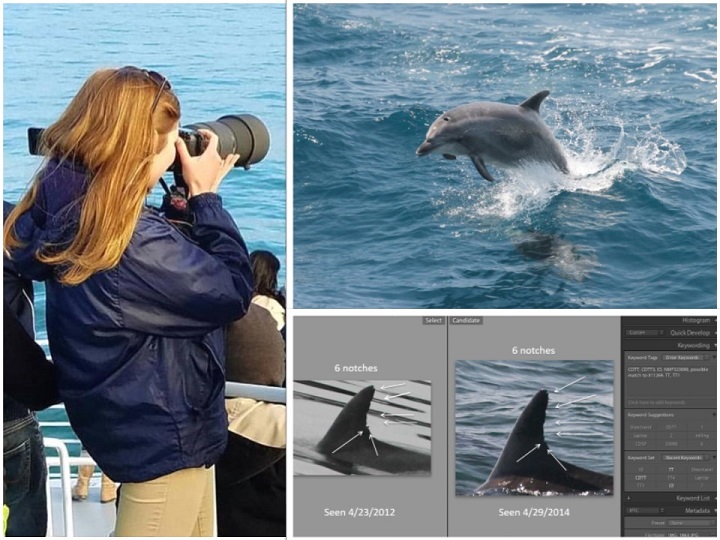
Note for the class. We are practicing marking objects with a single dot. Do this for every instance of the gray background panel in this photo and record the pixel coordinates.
(573, 338)
(401, 348)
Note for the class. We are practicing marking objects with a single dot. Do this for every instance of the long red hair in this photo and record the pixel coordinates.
(112, 129)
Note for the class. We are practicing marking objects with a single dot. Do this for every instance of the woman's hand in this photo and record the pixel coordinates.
(204, 173)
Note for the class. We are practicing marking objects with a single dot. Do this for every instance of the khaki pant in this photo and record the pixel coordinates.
(177, 504)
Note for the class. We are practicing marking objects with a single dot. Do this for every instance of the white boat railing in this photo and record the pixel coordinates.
(272, 394)
(64, 461)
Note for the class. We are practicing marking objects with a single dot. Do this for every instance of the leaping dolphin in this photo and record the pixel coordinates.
(349, 440)
(527, 466)
(500, 134)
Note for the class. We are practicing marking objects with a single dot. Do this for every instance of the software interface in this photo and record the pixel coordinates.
(669, 426)
(505, 426)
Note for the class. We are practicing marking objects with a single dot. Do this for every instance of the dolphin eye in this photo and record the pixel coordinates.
(447, 118)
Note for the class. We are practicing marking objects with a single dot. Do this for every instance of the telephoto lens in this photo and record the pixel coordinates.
(242, 134)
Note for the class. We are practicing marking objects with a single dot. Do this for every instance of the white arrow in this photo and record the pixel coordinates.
(348, 442)
(386, 386)
(530, 452)
(385, 415)
(388, 422)
(564, 387)
(564, 423)
(556, 459)
(372, 440)
(572, 434)
(574, 401)
(397, 396)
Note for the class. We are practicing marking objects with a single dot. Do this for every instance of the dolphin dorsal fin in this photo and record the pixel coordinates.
(352, 418)
(535, 101)
(527, 433)
(526, 463)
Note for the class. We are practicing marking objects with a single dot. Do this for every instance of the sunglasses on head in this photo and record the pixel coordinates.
(160, 80)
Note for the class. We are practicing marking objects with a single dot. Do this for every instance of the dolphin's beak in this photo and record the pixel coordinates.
(424, 149)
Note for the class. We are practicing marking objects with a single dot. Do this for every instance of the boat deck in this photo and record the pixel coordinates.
(90, 517)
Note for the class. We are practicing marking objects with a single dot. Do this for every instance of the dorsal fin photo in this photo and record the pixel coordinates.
(535, 101)
(526, 464)
(527, 432)
(352, 418)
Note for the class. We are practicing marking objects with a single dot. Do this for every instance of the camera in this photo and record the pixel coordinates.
(242, 134)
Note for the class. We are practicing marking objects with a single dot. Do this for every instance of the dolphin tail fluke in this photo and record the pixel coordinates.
(480, 166)
(533, 103)
(352, 418)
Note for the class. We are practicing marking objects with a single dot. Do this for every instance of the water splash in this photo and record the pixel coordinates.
(646, 148)
(526, 189)
(657, 155)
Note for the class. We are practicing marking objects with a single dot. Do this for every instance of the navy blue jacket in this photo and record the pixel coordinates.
(139, 349)
(19, 376)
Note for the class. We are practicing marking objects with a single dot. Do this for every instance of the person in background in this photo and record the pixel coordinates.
(265, 268)
(28, 384)
(250, 476)
(136, 311)
(108, 489)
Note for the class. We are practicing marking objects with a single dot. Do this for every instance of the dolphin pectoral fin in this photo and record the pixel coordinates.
(449, 156)
(351, 420)
(480, 166)
(534, 102)
(563, 166)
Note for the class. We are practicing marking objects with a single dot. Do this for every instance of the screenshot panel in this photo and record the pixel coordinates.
(532, 426)
(535, 441)
(370, 433)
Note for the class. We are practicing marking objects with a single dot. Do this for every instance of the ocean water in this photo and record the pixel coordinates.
(221, 59)
(318, 403)
(633, 103)
(490, 396)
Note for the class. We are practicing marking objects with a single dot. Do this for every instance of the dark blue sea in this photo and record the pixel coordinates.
(490, 396)
(633, 103)
(220, 59)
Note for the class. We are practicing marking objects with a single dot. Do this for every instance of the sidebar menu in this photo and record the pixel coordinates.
(669, 426)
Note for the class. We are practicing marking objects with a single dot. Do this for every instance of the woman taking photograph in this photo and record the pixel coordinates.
(135, 309)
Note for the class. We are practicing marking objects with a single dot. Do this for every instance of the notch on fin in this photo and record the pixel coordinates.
(352, 418)
(480, 166)
(534, 102)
